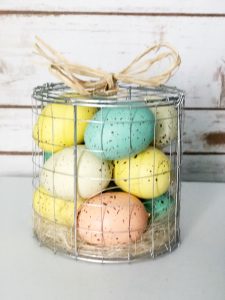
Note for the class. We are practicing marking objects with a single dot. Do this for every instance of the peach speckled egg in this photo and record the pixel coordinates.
(112, 218)
(146, 175)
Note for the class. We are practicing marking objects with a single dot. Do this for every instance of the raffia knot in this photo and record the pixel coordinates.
(87, 81)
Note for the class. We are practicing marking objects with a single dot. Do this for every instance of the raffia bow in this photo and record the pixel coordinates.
(100, 82)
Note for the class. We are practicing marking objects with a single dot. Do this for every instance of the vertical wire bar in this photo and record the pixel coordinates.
(178, 152)
(102, 213)
(171, 119)
(39, 166)
(34, 104)
(129, 179)
(40, 219)
(75, 180)
(181, 103)
(53, 176)
(153, 186)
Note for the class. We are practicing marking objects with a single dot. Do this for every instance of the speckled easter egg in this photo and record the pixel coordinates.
(57, 175)
(47, 155)
(54, 209)
(112, 218)
(54, 128)
(116, 132)
(166, 125)
(148, 175)
(160, 206)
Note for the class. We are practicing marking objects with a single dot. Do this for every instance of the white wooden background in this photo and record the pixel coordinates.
(108, 34)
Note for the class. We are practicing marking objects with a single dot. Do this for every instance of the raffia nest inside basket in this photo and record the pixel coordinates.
(158, 238)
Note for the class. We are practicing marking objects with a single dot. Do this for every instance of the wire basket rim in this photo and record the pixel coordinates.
(137, 95)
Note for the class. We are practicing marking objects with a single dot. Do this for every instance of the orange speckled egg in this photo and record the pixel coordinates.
(105, 219)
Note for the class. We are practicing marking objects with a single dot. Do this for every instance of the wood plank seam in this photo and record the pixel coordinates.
(109, 13)
(13, 106)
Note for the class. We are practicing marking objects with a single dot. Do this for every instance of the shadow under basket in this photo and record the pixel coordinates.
(106, 172)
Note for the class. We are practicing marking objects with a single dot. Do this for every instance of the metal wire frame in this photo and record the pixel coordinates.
(128, 97)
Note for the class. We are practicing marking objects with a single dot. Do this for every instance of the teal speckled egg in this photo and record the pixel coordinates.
(160, 206)
(116, 132)
(47, 155)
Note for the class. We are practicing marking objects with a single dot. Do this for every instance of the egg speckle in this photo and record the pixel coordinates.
(57, 175)
(116, 132)
(145, 175)
(112, 218)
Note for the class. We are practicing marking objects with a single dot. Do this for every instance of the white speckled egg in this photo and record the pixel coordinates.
(166, 125)
(146, 175)
(112, 218)
(57, 175)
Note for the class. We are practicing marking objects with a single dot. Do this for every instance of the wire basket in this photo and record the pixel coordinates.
(106, 172)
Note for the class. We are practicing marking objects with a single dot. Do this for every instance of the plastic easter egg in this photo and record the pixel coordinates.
(57, 175)
(54, 209)
(54, 128)
(160, 206)
(112, 218)
(116, 132)
(146, 176)
(47, 155)
(166, 125)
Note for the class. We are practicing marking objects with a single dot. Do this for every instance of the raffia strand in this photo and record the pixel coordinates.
(87, 81)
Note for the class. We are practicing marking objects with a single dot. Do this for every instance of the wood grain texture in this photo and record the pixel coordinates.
(15, 130)
(209, 168)
(141, 6)
(110, 43)
(94, 33)
(204, 131)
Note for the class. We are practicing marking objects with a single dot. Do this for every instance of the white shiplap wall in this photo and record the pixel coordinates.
(98, 32)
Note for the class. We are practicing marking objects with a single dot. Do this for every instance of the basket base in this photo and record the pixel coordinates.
(61, 239)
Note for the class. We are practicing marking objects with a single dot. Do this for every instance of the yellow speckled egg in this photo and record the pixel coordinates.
(166, 125)
(113, 218)
(54, 209)
(57, 175)
(54, 128)
(149, 174)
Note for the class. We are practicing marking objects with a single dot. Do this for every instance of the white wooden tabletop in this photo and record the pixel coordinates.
(196, 270)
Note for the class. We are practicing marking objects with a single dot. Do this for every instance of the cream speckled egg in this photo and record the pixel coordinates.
(148, 175)
(166, 125)
(57, 175)
(54, 129)
(105, 219)
(54, 209)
